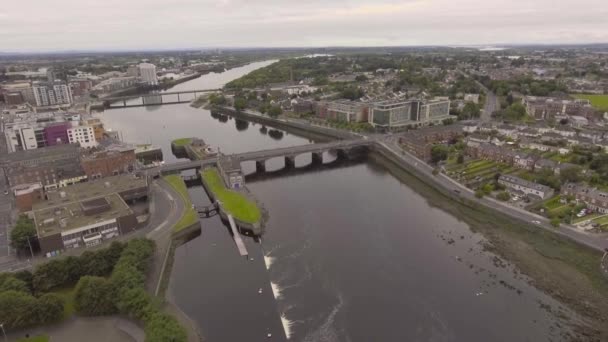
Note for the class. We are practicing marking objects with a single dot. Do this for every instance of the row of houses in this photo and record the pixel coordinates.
(594, 198)
(522, 160)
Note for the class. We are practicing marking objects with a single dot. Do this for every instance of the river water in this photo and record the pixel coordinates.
(350, 253)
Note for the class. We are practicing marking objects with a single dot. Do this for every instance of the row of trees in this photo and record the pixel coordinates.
(124, 292)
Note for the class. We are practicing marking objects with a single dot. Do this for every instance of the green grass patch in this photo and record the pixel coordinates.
(190, 215)
(182, 142)
(601, 220)
(599, 102)
(38, 338)
(233, 202)
(553, 203)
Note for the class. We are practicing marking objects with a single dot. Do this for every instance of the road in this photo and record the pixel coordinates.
(491, 104)
(595, 241)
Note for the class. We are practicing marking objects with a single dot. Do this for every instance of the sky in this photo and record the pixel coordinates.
(59, 25)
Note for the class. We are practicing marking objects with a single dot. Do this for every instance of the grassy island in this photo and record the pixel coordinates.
(190, 216)
(181, 142)
(235, 203)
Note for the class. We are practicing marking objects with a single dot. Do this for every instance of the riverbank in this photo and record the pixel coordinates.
(561, 268)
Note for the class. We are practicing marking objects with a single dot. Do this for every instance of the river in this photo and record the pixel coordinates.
(350, 252)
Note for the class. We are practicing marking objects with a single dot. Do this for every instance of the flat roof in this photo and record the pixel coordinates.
(92, 189)
(69, 215)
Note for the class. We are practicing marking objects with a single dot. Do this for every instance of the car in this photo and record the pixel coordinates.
(457, 191)
(6, 192)
(535, 221)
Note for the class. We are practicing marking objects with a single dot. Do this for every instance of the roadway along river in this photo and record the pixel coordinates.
(350, 252)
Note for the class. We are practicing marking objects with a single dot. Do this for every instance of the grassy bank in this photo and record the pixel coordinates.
(563, 269)
(181, 142)
(235, 203)
(599, 102)
(39, 338)
(190, 215)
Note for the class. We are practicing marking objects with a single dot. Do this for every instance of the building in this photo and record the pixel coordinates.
(133, 70)
(471, 98)
(97, 125)
(80, 87)
(548, 107)
(51, 94)
(109, 162)
(13, 98)
(390, 114)
(83, 135)
(420, 142)
(23, 88)
(147, 73)
(594, 199)
(27, 195)
(347, 111)
(53, 167)
(115, 84)
(525, 161)
(230, 170)
(35, 130)
(86, 214)
(526, 187)
(488, 151)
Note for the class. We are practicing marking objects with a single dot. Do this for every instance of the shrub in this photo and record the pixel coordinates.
(555, 222)
(20, 309)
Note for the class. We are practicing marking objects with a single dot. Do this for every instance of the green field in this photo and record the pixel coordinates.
(182, 142)
(233, 202)
(599, 102)
(39, 338)
(190, 216)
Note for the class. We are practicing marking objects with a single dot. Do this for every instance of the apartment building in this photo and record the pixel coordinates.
(391, 114)
(83, 135)
(51, 94)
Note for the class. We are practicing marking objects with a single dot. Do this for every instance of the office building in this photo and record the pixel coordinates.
(394, 114)
(147, 73)
(35, 130)
(348, 111)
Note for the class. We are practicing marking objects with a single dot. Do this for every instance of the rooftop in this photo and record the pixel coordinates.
(525, 183)
(52, 217)
(46, 152)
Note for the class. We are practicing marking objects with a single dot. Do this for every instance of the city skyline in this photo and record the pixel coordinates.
(137, 25)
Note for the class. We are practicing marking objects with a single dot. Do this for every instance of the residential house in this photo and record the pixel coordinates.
(525, 161)
(529, 188)
(594, 199)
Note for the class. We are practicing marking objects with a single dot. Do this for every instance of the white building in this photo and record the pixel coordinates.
(84, 135)
(147, 72)
(50, 94)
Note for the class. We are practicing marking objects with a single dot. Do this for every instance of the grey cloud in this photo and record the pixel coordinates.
(133, 24)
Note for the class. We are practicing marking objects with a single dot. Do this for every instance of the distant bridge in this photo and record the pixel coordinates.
(154, 99)
(260, 157)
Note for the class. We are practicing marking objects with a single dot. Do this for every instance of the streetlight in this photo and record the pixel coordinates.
(3, 332)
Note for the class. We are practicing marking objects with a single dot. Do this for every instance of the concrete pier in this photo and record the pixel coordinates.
(260, 166)
(317, 158)
(290, 162)
(237, 237)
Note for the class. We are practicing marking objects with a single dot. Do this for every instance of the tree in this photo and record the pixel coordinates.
(503, 196)
(23, 231)
(240, 104)
(93, 296)
(439, 153)
(275, 111)
(570, 175)
(50, 308)
(18, 309)
(555, 222)
(14, 284)
(460, 159)
(469, 111)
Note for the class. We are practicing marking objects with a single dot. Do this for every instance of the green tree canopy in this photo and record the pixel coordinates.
(24, 229)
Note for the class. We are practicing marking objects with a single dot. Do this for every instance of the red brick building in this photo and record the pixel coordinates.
(108, 163)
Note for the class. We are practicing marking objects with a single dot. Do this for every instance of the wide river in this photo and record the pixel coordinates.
(350, 252)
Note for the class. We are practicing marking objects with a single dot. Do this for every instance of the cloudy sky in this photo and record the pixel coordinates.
(52, 25)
